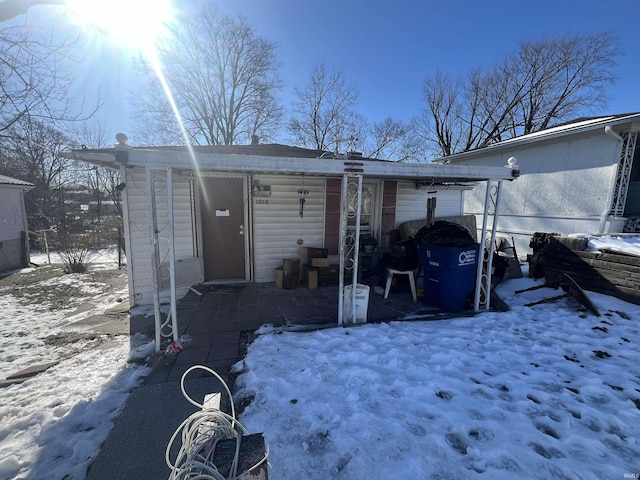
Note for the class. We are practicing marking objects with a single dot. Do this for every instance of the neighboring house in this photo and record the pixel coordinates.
(579, 177)
(232, 213)
(14, 242)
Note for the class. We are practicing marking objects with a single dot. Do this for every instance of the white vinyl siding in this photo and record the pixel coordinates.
(411, 203)
(565, 186)
(13, 225)
(139, 258)
(277, 224)
(12, 217)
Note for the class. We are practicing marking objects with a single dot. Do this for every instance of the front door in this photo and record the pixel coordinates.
(222, 210)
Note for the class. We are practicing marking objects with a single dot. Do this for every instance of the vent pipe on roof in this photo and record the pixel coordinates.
(122, 139)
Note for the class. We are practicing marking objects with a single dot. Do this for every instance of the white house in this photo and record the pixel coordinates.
(14, 242)
(232, 213)
(580, 177)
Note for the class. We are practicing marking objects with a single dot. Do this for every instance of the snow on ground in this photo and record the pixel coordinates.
(538, 392)
(626, 243)
(103, 258)
(52, 425)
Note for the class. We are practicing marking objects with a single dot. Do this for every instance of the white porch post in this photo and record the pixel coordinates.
(481, 288)
(155, 254)
(349, 244)
(172, 254)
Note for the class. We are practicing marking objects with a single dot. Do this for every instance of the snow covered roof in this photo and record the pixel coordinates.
(14, 182)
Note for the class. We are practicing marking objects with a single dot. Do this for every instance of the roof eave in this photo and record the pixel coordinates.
(108, 160)
(24, 187)
(516, 142)
(254, 164)
(314, 166)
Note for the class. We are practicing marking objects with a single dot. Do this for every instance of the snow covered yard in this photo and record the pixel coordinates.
(545, 392)
(52, 425)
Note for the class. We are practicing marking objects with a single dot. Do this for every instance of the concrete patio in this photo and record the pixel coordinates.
(221, 320)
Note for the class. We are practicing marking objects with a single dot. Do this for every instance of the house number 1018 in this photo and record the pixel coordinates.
(261, 201)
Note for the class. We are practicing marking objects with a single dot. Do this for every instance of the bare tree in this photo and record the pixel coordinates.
(324, 116)
(158, 123)
(32, 152)
(394, 140)
(36, 76)
(103, 186)
(439, 123)
(91, 134)
(543, 83)
(566, 75)
(223, 79)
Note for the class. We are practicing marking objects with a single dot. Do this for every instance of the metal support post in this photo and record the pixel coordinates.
(349, 242)
(172, 254)
(483, 280)
(155, 254)
(623, 176)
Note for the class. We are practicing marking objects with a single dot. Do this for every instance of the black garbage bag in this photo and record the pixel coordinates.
(445, 234)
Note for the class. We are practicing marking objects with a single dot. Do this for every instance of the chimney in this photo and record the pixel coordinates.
(255, 139)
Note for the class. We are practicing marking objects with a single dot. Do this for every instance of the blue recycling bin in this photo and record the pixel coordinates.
(449, 275)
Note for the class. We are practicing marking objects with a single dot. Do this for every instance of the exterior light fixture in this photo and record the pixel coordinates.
(512, 163)
(303, 192)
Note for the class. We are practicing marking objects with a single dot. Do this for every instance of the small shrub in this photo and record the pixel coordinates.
(73, 250)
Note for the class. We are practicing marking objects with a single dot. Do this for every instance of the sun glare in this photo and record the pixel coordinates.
(135, 24)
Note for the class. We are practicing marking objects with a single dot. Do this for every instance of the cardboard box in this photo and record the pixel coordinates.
(279, 275)
(310, 277)
(290, 281)
(290, 273)
(291, 265)
(314, 252)
(329, 275)
(319, 262)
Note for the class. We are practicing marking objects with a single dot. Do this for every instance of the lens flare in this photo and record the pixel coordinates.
(135, 24)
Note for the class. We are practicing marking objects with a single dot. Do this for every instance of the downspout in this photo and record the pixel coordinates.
(608, 130)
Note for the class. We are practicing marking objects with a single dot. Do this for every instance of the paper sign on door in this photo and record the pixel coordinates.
(222, 213)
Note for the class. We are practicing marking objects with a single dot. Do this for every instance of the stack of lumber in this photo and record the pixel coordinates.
(610, 273)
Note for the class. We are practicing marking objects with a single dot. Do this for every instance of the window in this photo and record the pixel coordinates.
(366, 207)
(333, 206)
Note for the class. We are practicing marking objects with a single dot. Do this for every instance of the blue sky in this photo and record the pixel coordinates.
(387, 48)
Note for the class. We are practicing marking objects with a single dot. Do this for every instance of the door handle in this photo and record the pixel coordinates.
(241, 229)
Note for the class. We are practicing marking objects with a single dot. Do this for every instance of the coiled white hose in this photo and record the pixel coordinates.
(200, 433)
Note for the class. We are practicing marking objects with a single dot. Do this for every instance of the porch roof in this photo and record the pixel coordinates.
(282, 159)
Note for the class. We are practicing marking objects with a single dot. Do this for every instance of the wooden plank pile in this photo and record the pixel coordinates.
(606, 272)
